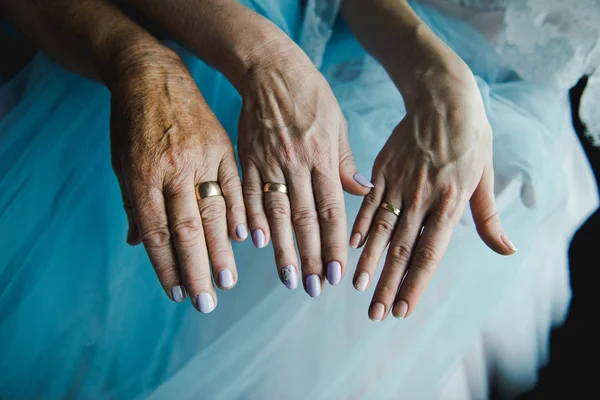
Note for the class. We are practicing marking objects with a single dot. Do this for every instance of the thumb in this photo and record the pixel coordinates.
(133, 234)
(486, 217)
(352, 181)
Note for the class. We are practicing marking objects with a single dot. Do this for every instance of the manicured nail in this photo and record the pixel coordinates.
(362, 282)
(313, 285)
(241, 231)
(355, 240)
(376, 312)
(258, 238)
(178, 293)
(363, 181)
(205, 303)
(508, 243)
(289, 277)
(334, 272)
(225, 278)
(400, 309)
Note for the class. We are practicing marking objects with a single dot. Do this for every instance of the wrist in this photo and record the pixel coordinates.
(429, 67)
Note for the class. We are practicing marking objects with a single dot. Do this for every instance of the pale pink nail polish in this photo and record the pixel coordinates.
(258, 238)
(508, 243)
(362, 181)
(376, 312)
(355, 240)
(362, 282)
(241, 231)
(400, 309)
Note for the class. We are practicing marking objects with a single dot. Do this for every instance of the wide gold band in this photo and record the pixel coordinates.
(390, 208)
(208, 189)
(275, 187)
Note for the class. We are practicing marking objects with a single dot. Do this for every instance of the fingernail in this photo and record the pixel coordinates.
(178, 293)
(376, 312)
(205, 303)
(508, 243)
(334, 272)
(362, 282)
(400, 309)
(241, 231)
(289, 277)
(363, 181)
(355, 240)
(313, 285)
(225, 278)
(258, 238)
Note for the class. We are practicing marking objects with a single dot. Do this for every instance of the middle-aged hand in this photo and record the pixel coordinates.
(165, 142)
(437, 158)
(292, 132)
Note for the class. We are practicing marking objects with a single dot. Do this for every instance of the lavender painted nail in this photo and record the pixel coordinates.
(241, 231)
(258, 238)
(289, 277)
(313, 285)
(178, 293)
(363, 181)
(334, 272)
(205, 303)
(225, 278)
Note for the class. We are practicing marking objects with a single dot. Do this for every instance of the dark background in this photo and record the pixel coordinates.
(568, 375)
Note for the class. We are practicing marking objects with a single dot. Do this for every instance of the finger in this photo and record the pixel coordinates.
(380, 234)
(397, 259)
(368, 209)
(133, 234)
(332, 218)
(253, 199)
(428, 253)
(277, 207)
(189, 243)
(149, 208)
(486, 217)
(352, 181)
(306, 227)
(232, 192)
(213, 213)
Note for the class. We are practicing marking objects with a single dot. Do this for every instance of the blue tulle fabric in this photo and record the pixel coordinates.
(82, 314)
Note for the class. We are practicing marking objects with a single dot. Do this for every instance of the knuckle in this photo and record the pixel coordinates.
(236, 208)
(371, 201)
(449, 201)
(187, 231)
(167, 274)
(305, 217)
(330, 211)
(333, 249)
(426, 259)
(199, 280)
(385, 291)
(311, 263)
(213, 211)
(157, 237)
(400, 254)
(383, 227)
(410, 290)
(278, 211)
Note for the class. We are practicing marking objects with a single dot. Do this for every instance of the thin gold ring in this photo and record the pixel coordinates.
(208, 189)
(388, 207)
(274, 187)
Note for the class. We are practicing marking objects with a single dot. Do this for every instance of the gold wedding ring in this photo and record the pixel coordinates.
(387, 206)
(275, 187)
(208, 189)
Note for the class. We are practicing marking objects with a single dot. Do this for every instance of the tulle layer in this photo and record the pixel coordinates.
(83, 315)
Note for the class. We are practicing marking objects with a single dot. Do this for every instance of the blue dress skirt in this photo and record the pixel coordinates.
(82, 314)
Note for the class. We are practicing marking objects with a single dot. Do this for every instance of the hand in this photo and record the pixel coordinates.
(164, 142)
(437, 159)
(293, 132)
